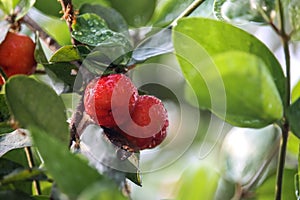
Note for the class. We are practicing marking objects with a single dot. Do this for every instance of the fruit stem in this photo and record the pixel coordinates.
(31, 164)
(2, 73)
(285, 127)
(191, 8)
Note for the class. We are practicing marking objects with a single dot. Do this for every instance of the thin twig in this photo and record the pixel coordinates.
(34, 27)
(285, 128)
(187, 12)
(31, 164)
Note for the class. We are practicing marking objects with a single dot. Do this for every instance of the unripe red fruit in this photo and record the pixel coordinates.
(150, 123)
(17, 54)
(110, 97)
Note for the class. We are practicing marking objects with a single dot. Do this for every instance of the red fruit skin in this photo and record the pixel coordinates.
(17, 54)
(109, 100)
(150, 122)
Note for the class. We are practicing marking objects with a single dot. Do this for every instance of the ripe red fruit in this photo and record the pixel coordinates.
(17, 54)
(149, 123)
(110, 100)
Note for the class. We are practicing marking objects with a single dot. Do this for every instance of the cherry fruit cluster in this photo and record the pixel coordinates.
(113, 101)
(16, 55)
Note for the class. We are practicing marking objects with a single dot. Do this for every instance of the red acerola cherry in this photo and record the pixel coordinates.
(110, 100)
(148, 127)
(17, 54)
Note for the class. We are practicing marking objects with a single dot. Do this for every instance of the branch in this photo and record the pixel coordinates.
(34, 27)
(69, 16)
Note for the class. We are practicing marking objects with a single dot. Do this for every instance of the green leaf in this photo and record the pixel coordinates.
(294, 116)
(267, 190)
(4, 27)
(7, 166)
(55, 27)
(294, 16)
(66, 54)
(8, 6)
(4, 111)
(235, 85)
(48, 8)
(293, 146)
(166, 11)
(114, 20)
(62, 72)
(35, 104)
(17, 139)
(154, 45)
(136, 13)
(100, 191)
(90, 29)
(39, 53)
(15, 195)
(217, 37)
(198, 183)
(23, 175)
(296, 92)
(240, 11)
(240, 162)
(25, 6)
(71, 174)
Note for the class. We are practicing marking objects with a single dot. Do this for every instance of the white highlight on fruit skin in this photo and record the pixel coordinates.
(130, 127)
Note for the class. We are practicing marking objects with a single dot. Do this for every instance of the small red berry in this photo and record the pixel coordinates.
(17, 54)
(148, 127)
(110, 100)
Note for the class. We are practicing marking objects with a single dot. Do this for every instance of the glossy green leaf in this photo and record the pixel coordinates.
(294, 15)
(25, 6)
(17, 139)
(4, 27)
(296, 92)
(136, 13)
(267, 190)
(240, 11)
(217, 37)
(294, 116)
(198, 183)
(66, 54)
(235, 85)
(114, 20)
(90, 29)
(239, 160)
(71, 173)
(35, 104)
